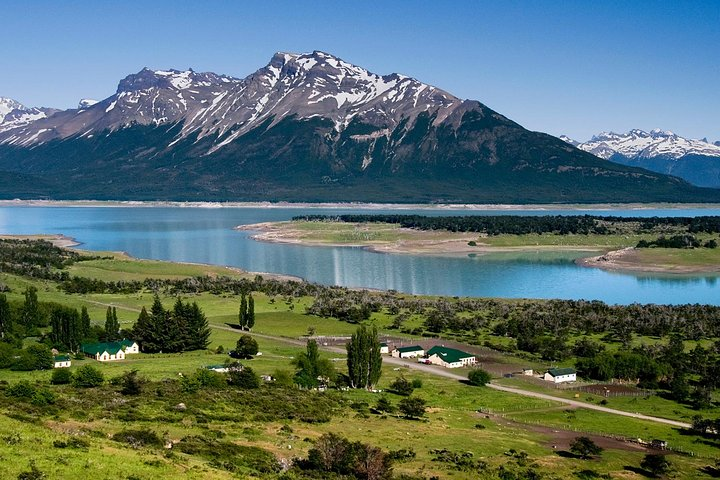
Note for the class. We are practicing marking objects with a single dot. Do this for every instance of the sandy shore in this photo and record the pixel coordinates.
(358, 205)
(627, 259)
(56, 239)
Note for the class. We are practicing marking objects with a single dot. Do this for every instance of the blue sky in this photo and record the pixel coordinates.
(575, 67)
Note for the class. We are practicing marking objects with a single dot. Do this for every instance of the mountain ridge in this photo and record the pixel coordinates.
(308, 127)
(697, 161)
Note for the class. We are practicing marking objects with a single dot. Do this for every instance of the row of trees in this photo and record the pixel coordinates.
(182, 328)
(526, 224)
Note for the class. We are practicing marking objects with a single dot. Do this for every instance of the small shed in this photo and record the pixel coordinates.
(384, 349)
(408, 352)
(61, 361)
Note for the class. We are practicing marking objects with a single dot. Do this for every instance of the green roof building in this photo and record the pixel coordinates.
(61, 361)
(561, 375)
(104, 352)
(450, 357)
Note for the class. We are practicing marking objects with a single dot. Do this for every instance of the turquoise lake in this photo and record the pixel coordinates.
(206, 235)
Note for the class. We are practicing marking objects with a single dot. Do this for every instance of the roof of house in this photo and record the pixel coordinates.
(556, 372)
(414, 348)
(62, 358)
(127, 343)
(95, 348)
(449, 355)
(383, 344)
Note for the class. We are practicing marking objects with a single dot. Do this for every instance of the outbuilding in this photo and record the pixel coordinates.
(408, 352)
(61, 361)
(384, 349)
(561, 375)
(130, 346)
(450, 357)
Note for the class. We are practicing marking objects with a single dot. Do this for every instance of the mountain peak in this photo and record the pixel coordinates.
(641, 144)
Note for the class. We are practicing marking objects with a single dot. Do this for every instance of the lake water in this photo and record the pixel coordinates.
(206, 235)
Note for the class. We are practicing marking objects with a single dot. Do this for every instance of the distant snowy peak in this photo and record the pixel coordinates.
(86, 103)
(641, 144)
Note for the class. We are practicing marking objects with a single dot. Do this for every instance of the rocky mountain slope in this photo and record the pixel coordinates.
(697, 161)
(308, 127)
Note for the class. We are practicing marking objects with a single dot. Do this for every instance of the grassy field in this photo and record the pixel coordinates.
(515, 422)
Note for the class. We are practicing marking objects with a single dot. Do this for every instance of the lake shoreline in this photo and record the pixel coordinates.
(618, 260)
(357, 205)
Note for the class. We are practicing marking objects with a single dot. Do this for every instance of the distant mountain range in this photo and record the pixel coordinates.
(306, 127)
(697, 161)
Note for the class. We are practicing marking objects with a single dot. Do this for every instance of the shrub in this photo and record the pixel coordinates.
(88, 376)
(229, 456)
(208, 379)
(401, 386)
(412, 407)
(479, 377)
(131, 383)
(22, 389)
(61, 376)
(244, 378)
(138, 438)
(33, 474)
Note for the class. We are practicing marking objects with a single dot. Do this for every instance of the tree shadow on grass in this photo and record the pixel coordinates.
(236, 326)
(714, 472)
(566, 454)
(639, 471)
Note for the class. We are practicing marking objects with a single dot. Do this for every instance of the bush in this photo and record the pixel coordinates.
(479, 377)
(244, 378)
(412, 407)
(401, 386)
(61, 376)
(88, 376)
(139, 438)
(208, 379)
(22, 389)
(131, 383)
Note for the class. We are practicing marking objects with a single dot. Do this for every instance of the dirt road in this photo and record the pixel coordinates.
(443, 372)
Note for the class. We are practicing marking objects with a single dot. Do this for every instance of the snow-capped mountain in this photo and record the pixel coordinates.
(640, 144)
(13, 114)
(207, 104)
(697, 161)
(305, 127)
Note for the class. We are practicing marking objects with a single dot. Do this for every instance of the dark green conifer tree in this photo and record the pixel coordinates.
(242, 315)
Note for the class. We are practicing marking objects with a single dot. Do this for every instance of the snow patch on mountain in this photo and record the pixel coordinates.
(86, 103)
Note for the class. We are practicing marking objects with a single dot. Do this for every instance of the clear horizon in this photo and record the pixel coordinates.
(575, 69)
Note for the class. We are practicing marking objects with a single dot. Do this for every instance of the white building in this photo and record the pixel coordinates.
(408, 352)
(450, 357)
(561, 375)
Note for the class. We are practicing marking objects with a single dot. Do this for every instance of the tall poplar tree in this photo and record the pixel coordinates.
(5, 319)
(363, 358)
(242, 315)
(250, 317)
